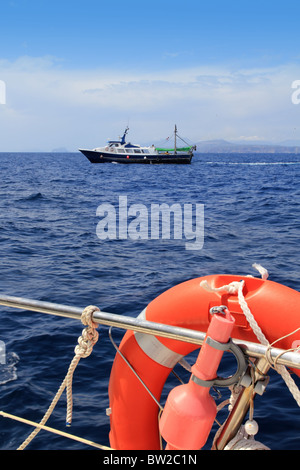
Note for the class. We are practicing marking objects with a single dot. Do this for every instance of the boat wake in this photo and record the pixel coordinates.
(252, 163)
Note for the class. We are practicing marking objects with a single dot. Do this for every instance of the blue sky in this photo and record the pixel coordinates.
(76, 73)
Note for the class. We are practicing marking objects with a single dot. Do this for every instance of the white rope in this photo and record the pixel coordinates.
(55, 431)
(83, 349)
(242, 441)
(262, 271)
(263, 340)
(230, 288)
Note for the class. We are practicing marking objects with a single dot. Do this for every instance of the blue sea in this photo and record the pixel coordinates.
(50, 251)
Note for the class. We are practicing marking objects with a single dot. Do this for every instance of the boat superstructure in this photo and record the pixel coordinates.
(120, 151)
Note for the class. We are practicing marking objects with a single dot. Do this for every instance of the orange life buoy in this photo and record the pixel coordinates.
(134, 413)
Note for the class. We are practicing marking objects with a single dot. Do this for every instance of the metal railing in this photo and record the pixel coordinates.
(288, 359)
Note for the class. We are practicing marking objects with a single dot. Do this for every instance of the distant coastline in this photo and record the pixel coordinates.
(209, 146)
(223, 146)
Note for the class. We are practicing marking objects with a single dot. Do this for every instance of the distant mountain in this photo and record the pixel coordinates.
(290, 143)
(223, 146)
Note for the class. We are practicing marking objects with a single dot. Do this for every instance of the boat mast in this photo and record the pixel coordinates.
(123, 141)
(175, 133)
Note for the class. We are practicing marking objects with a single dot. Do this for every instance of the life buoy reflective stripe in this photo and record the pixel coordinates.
(134, 413)
(155, 350)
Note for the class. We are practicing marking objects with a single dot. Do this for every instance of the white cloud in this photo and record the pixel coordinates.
(48, 106)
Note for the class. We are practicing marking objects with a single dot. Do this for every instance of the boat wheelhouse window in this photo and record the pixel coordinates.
(145, 151)
(137, 151)
(129, 150)
(121, 150)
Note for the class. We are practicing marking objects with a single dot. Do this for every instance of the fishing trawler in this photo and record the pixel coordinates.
(120, 151)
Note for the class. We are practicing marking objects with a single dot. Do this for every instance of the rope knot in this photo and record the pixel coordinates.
(89, 335)
(231, 288)
(87, 316)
